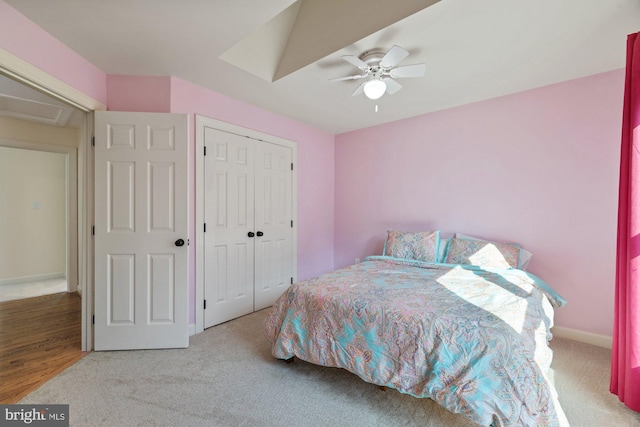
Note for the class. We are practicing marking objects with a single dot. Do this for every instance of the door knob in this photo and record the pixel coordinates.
(179, 242)
(251, 234)
(260, 234)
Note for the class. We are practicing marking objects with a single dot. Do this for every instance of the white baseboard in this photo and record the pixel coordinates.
(36, 278)
(192, 329)
(584, 337)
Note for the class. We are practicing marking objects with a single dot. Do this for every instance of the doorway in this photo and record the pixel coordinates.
(41, 82)
(36, 245)
(39, 228)
(38, 241)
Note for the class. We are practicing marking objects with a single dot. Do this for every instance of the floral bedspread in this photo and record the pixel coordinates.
(473, 340)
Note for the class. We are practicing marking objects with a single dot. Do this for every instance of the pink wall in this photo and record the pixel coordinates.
(24, 39)
(139, 93)
(539, 168)
(314, 164)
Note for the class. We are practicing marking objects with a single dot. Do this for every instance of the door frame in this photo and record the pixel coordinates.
(20, 70)
(203, 122)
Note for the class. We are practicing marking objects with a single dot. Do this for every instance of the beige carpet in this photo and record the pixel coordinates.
(227, 377)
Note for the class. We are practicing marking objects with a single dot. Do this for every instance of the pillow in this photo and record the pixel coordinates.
(421, 246)
(525, 255)
(482, 254)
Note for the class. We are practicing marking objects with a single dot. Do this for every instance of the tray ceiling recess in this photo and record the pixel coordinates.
(309, 30)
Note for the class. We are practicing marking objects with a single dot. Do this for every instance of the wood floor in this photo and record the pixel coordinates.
(39, 338)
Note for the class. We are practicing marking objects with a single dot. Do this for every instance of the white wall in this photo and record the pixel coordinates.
(22, 130)
(32, 201)
(32, 214)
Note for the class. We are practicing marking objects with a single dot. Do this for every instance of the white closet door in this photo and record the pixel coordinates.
(273, 223)
(229, 218)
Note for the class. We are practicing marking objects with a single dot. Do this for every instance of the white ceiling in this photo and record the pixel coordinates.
(474, 50)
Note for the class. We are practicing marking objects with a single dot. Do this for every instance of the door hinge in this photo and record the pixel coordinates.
(93, 319)
(93, 141)
(291, 166)
(205, 304)
(205, 227)
(205, 150)
(292, 280)
(291, 223)
(93, 230)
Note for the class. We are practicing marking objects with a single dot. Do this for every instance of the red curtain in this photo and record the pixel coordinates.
(625, 361)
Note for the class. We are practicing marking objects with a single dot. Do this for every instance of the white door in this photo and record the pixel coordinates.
(229, 218)
(273, 223)
(141, 215)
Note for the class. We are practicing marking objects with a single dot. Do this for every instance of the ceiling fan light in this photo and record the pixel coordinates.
(375, 88)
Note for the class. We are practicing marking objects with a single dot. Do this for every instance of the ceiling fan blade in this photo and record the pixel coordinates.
(339, 79)
(393, 57)
(392, 86)
(359, 90)
(416, 70)
(356, 61)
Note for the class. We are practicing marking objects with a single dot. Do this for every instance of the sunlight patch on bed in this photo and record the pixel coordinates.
(488, 252)
(551, 377)
(486, 295)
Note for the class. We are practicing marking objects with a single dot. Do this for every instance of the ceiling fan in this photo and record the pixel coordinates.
(380, 70)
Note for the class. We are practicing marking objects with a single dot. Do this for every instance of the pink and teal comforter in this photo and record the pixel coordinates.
(473, 340)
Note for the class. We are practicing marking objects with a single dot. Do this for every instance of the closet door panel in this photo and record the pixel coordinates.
(229, 218)
(273, 223)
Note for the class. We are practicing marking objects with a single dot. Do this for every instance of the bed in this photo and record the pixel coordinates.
(470, 335)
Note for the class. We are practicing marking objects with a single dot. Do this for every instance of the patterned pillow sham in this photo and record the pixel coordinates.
(421, 246)
(525, 255)
(482, 254)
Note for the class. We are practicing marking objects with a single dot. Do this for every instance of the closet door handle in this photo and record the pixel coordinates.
(179, 242)
(260, 234)
(251, 234)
